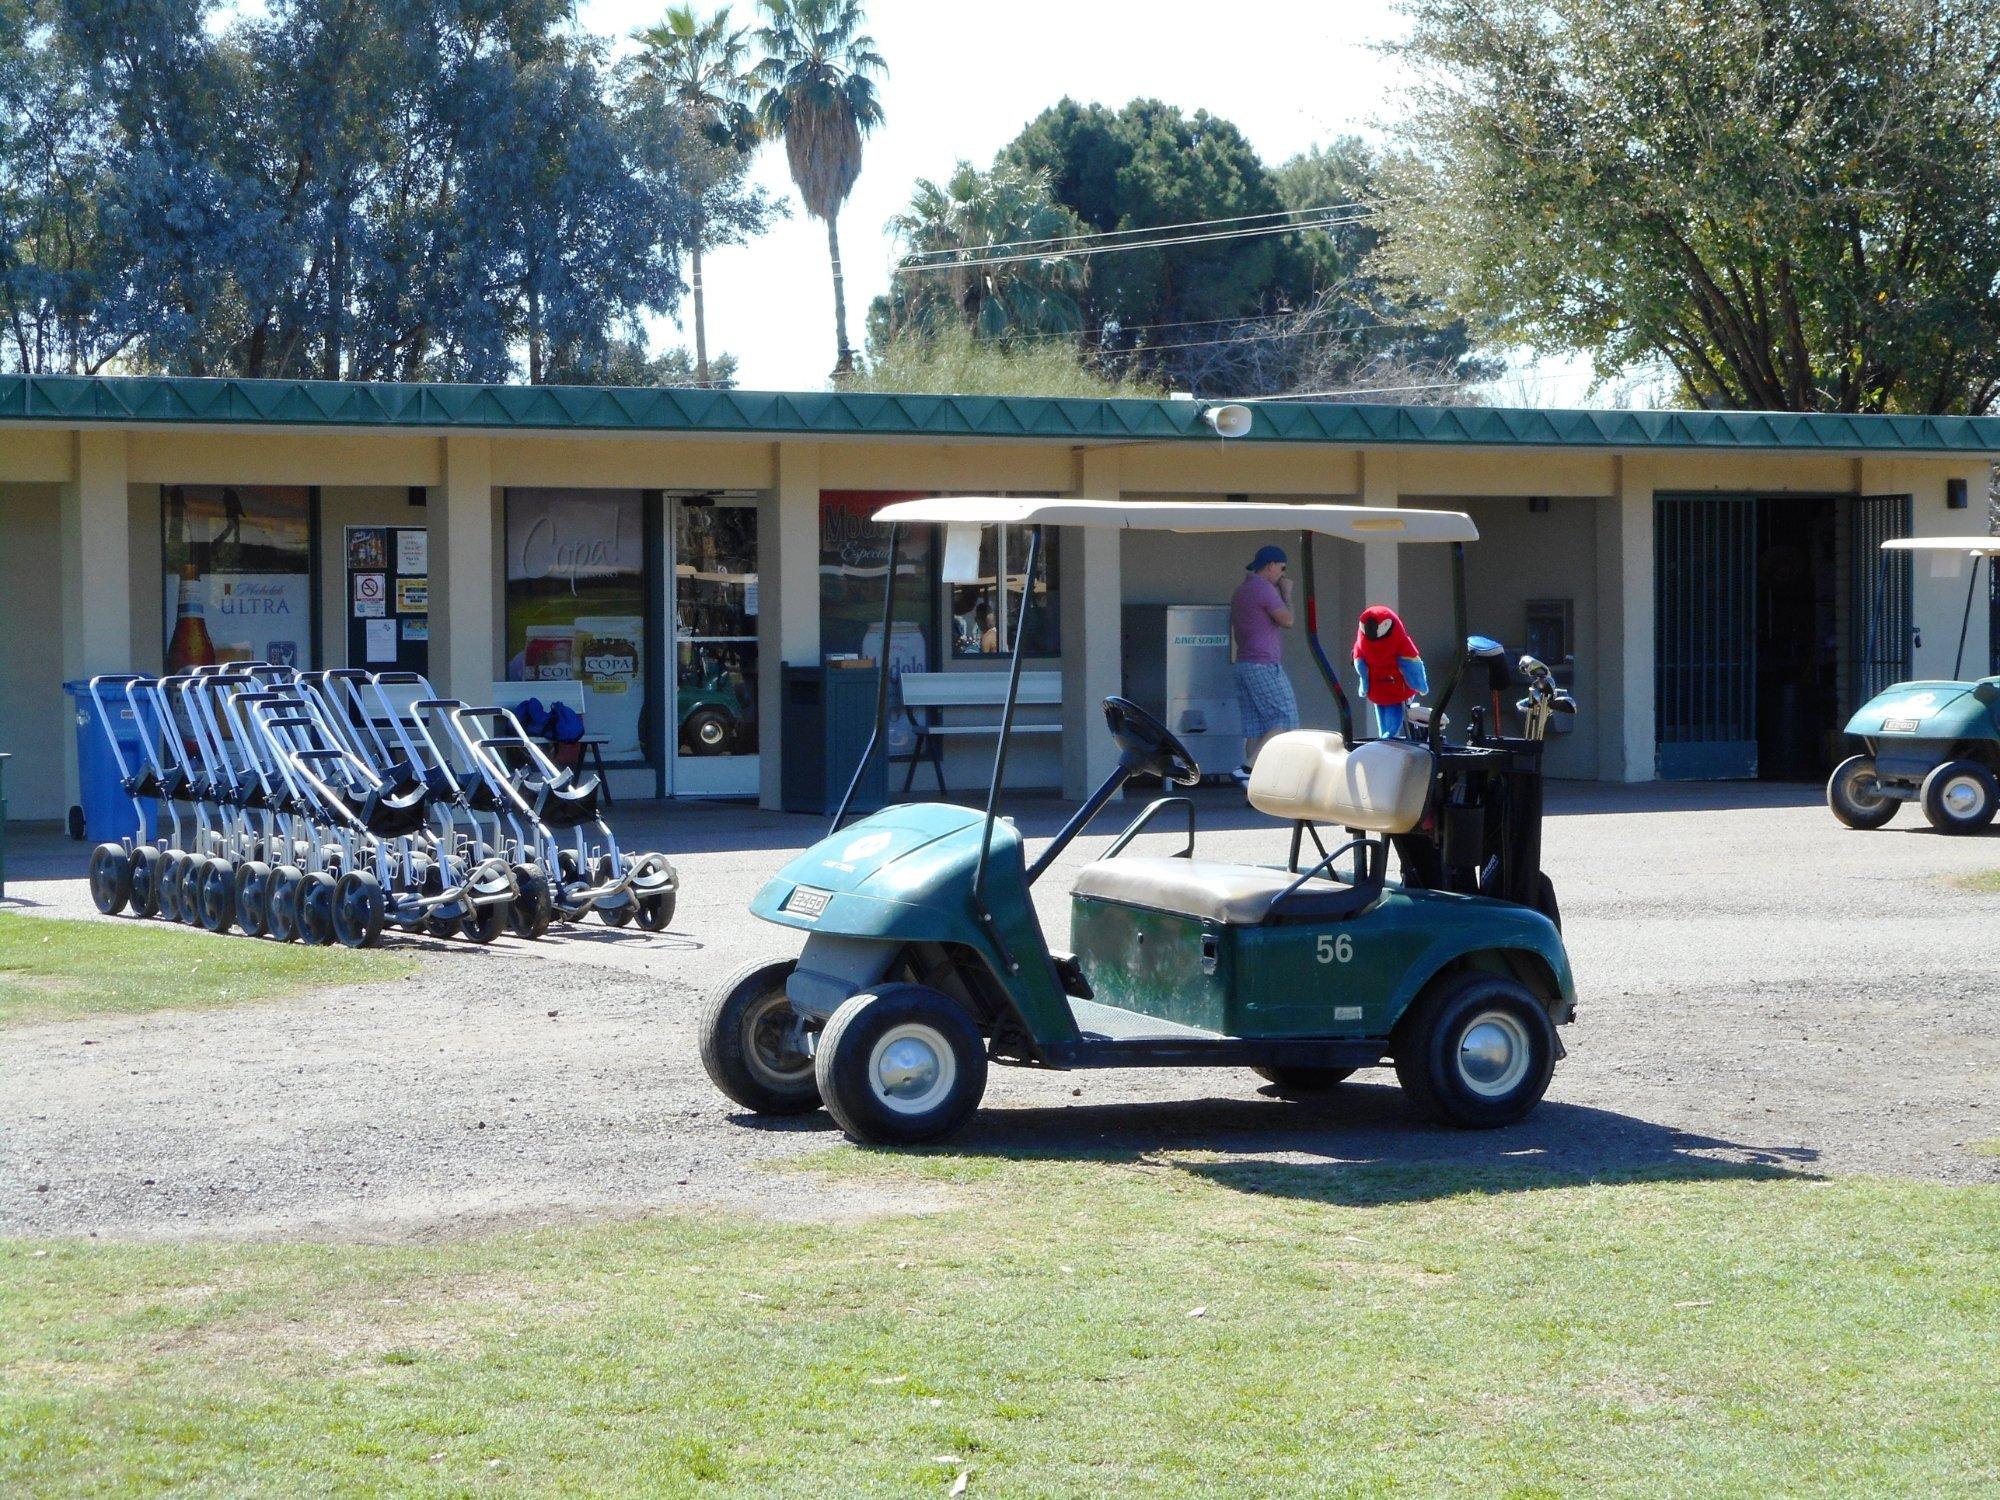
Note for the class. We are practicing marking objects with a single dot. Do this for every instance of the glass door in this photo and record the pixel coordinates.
(713, 721)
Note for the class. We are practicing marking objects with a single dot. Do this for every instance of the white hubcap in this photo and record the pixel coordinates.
(912, 1069)
(1493, 1054)
(1963, 796)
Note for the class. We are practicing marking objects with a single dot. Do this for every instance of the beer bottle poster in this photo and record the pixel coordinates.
(388, 614)
(576, 604)
(238, 574)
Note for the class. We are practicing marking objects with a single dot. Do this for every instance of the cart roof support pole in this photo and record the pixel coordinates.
(1458, 647)
(1326, 670)
(1965, 620)
(979, 906)
(876, 734)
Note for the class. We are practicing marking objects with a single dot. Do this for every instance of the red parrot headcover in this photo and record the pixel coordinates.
(1380, 644)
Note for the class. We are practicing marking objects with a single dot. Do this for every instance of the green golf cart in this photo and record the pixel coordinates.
(1934, 743)
(924, 959)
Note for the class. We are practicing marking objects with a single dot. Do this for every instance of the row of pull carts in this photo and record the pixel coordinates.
(331, 806)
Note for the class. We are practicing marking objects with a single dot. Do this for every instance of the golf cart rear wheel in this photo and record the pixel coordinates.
(145, 881)
(1855, 797)
(253, 897)
(1960, 796)
(900, 1066)
(359, 909)
(1302, 1083)
(753, 1046)
(1476, 1050)
(110, 878)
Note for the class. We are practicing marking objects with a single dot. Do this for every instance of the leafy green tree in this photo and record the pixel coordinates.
(948, 275)
(1795, 203)
(817, 78)
(953, 360)
(700, 70)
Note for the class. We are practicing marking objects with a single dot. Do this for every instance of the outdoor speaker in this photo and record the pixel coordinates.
(1230, 421)
(1954, 494)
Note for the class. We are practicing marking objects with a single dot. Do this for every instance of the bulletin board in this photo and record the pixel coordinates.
(388, 599)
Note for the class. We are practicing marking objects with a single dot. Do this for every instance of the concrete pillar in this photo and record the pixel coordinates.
(96, 568)
(788, 598)
(464, 541)
(1093, 597)
(1381, 562)
(1627, 749)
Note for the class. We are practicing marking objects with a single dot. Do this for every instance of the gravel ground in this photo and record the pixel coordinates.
(1758, 986)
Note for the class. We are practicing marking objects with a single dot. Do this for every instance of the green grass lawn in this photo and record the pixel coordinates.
(52, 970)
(1173, 1327)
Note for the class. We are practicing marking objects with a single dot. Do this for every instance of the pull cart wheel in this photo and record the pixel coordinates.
(534, 905)
(167, 898)
(1303, 1083)
(443, 927)
(215, 886)
(753, 1044)
(1476, 1051)
(187, 893)
(253, 897)
(281, 902)
(316, 909)
(145, 881)
(483, 924)
(1960, 796)
(110, 878)
(359, 909)
(1855, 797)
(900, 1066)
(655, 912)
(621, 913)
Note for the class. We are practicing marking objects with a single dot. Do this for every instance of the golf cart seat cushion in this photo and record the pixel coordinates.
(1378, 786)
(1208, 890)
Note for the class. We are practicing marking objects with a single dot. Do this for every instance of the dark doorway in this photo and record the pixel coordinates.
(1798, 638)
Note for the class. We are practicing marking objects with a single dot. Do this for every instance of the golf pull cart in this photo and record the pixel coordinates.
(924, 957)
(1933, 743)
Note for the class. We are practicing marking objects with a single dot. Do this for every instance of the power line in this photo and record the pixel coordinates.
(1187, 239)
(1107, 234)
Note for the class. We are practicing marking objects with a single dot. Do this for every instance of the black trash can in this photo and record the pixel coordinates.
(827, 718)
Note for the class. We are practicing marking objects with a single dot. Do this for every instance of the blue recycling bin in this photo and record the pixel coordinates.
(107, 806)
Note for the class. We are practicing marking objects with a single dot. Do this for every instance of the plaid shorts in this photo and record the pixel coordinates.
(1264, 699)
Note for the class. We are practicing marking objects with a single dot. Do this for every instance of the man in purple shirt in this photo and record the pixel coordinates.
(1260, 608)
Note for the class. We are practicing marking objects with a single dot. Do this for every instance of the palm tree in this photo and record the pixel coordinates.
(699, 67)
(818, 93)
(944, 277)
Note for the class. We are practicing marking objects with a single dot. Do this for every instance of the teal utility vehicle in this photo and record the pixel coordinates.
(924, 958)
(1933, 743)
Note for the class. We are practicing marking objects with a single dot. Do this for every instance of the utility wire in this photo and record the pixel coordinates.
(1157, 244)
(1110, 234)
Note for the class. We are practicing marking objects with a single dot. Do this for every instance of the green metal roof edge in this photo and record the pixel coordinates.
(341, 404)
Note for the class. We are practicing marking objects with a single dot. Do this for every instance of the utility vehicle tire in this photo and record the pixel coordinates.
(745, 1025)
(655, 912)
(1960, 796)
(145, 881)
(316, 909)
(483, 924)
(707, 732)
(110, 878)
(214, 881)
(359, 909)
(900, 1066)
(1476, 1050)
(1854, 797)
(534, 905)
(281, 902)
(253, 897)
(1303, 1083)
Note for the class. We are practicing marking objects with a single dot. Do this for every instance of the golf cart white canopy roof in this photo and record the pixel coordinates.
(1354, 523)
(1975, 546)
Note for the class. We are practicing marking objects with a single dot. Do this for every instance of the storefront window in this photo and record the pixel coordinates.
(985, 616)
(853, 556)
(576, 604)
(238, 574)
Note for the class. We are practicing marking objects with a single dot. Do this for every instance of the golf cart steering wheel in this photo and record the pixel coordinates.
(1149, 746)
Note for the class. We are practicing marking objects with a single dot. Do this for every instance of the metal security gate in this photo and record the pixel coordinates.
(1705, 639)
(1881, 629)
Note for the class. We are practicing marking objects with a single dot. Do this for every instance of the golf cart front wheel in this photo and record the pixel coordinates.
(1303, 1083)
(752, 1044)
(707, 733)
(1960, 796)
(110, 878)
(1856, 797)
(900, 1066)
(1476, 1051)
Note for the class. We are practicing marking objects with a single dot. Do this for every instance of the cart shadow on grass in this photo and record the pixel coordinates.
(1360, 1146)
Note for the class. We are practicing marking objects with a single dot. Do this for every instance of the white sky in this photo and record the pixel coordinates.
(963, 80)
